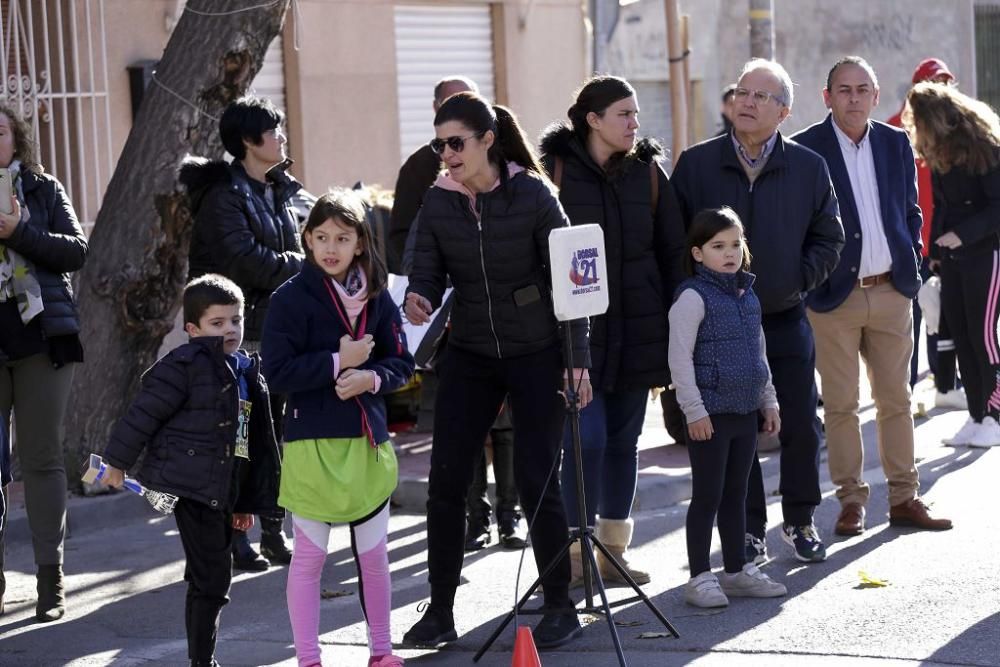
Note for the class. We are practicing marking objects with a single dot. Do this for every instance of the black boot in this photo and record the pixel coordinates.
(272, 541)
(512, 531)
(477, 533)
(51, 597)
(244, 557)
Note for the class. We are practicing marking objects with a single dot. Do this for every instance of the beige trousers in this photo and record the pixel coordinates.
(876, 324)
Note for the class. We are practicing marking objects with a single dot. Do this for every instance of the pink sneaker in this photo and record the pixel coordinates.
(385, 661)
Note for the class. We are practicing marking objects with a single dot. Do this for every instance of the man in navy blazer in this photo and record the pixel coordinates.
(865, 306)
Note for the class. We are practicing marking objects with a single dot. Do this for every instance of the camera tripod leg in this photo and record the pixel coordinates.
(631, 582)
(520, 603)
(589, 549)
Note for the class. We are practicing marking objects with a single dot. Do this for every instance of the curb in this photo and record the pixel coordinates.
(85, 514)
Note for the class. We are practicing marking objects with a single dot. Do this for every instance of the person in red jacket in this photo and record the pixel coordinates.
(940, 347)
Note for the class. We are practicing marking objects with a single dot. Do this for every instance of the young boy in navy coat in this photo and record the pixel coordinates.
(203, 416)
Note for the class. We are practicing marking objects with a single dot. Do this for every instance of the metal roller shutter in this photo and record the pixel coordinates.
(433, 42)
(270, 80)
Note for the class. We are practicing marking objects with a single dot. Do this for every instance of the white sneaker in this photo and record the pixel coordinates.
(964, 434)
(751, 583)
(704, 591)
(987, 435)
(951, 400)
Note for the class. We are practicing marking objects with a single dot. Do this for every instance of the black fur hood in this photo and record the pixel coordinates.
(558, 140)
(198, 175)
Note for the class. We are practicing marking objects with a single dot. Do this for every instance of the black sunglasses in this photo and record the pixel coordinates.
(456, 144)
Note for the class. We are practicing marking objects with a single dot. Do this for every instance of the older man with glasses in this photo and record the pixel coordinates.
(783, 194)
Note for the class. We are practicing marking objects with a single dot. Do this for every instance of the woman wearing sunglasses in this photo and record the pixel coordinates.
(607, 175)
(485, 224)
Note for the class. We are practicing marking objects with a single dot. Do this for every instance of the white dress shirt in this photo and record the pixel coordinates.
(875, 256)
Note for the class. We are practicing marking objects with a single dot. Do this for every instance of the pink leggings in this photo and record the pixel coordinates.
(368, 542)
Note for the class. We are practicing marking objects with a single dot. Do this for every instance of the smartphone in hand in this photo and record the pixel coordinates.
(6, 189)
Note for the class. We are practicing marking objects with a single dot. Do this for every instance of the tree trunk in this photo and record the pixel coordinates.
(129, 290)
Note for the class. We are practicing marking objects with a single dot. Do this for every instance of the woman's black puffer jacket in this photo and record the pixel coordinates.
(238, 235)
(644, 251)
(498, 260)
(53, 241)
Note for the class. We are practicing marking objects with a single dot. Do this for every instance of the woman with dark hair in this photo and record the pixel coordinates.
(41, 245)
(246, 230)
(959, 138)
(606, 176)
(485, 225)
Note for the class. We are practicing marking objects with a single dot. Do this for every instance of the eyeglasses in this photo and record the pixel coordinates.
(456, 144)
(759, 96)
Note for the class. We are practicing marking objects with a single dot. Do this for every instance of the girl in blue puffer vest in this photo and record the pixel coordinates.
(719, 369)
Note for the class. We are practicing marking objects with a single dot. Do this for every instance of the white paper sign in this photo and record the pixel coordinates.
(414, 334)
(579, 271)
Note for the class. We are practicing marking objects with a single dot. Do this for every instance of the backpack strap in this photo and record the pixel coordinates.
(557, 172)
(654, 185)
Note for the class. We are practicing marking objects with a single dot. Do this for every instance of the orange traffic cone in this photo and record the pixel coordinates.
(525, 653)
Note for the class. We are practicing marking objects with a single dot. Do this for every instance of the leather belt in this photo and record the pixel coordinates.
(872, 281)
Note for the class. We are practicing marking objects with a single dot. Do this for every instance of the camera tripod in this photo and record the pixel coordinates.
(588, 541)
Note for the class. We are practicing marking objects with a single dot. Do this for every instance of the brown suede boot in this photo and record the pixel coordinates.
(51, 598)
(616, 535)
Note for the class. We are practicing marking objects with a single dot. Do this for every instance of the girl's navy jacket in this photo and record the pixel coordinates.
(302, 330)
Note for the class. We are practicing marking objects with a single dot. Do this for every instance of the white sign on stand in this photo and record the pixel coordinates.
(579, 272)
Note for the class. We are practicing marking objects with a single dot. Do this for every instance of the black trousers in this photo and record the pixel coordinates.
(720, 468)
(791, 353)
(207, 536)
(970, 291)
(479, 507)
(470, 392)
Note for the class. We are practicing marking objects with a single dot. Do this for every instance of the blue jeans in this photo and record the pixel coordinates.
(609, 436)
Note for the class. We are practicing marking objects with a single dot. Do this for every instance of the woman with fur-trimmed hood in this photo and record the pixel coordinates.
(607, 176)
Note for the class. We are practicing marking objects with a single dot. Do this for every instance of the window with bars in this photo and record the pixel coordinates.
(54, 72)
(987, 20)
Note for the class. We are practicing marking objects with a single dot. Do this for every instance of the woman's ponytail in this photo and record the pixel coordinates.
(511, 143)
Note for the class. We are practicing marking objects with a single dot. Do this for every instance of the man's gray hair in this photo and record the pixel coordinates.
(777, 70)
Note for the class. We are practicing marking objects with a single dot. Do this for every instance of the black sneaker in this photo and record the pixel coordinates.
(805, 541)
(755, 549)
(275, 549)
(244, 556)
(437, 627)
(556, 629)
(512, 531)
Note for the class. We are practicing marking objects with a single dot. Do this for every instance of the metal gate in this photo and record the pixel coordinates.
(55, 74)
